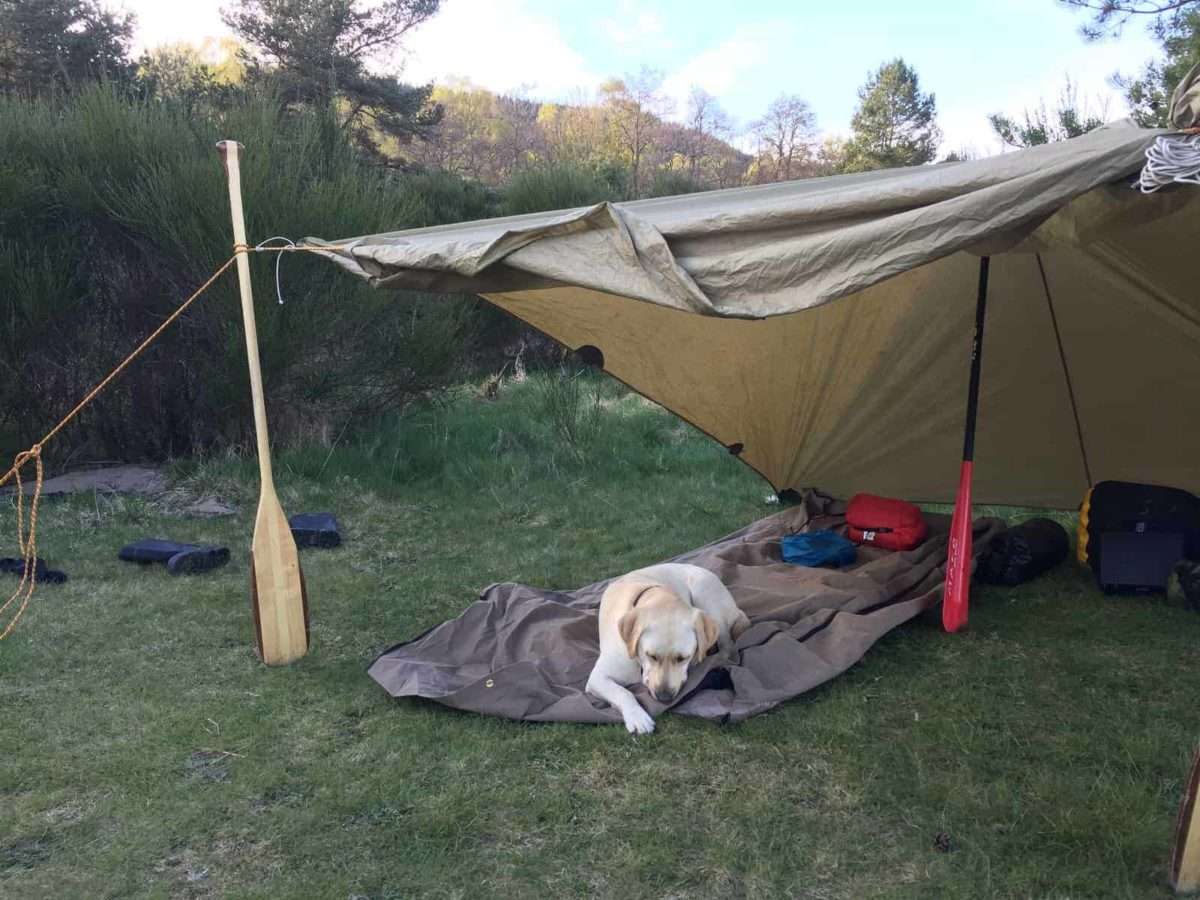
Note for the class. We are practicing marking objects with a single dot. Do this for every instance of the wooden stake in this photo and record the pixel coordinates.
(1185, 859)
(277, 585)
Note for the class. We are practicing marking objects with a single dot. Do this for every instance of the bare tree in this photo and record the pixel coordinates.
(707, 125)
(575, 132)
(785, 135)
(517, 137)
(636, 106)
(726, 167)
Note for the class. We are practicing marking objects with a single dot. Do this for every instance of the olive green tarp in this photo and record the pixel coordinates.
(822, 328)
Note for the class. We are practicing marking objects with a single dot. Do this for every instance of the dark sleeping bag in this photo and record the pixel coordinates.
(1023, 552)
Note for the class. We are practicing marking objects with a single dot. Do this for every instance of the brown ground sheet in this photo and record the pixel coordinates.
(525, 653)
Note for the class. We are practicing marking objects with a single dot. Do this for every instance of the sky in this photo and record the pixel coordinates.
(976, 56)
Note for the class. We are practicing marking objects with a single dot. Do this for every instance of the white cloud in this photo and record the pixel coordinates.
(635, 29)
(161, 22)
(1090, 67)
(498, 45)
(723, 68)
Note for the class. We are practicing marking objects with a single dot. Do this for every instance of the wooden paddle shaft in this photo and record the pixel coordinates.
(229, 151)
(278, 597)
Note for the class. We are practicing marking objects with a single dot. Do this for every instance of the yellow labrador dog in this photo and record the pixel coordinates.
(654, 623)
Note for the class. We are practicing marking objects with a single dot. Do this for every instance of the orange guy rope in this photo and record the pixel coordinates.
(27, 541)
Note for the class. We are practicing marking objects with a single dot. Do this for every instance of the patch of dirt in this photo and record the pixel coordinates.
(208, 765)
(209, 506)
(286, 794)
(210, 871)
(68, 813)
(378, 815)
(108, 480)
(25, 853)
(190, 875)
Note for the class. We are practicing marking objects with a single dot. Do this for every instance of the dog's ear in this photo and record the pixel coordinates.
(706, 634)
(630, 629)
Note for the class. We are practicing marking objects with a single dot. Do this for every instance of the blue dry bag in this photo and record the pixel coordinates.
(818, 548)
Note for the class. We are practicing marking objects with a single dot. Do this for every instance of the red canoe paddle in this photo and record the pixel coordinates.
(958, 561)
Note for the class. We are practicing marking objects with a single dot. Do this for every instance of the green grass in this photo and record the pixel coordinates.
(145, 753)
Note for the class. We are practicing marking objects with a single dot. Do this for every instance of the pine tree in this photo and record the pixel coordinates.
(48, 45)
(895, 122)
(316, 52)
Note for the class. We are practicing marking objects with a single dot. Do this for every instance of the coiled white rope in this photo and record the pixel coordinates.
(278, 260)
(1171, 159)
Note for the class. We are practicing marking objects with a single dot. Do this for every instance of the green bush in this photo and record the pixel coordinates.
(116, 209)
(555, 186)
(672, 182)
(435, 198)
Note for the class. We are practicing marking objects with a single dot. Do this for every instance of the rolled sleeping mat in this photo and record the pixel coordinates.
(1023, 552)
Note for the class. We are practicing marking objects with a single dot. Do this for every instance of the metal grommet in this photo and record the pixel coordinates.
(489, 683)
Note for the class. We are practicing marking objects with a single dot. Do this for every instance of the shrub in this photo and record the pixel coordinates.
(435, 198)
(115, 209)
(555, 186)
(671, 182)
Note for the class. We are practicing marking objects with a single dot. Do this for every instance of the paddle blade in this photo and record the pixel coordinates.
(958, 562)
(280, 606)
(1185, 857)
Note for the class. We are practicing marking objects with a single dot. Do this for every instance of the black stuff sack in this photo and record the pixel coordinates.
(1023, 552)
(1130, 535)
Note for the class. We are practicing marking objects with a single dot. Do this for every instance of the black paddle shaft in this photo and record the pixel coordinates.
(976, 360)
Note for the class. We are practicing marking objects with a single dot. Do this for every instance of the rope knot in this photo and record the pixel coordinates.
(26, 539)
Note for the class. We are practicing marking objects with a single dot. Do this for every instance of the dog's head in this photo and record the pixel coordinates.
(666, 635)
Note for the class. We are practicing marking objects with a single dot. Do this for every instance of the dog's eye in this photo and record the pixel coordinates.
(652, 657)
(680, 659)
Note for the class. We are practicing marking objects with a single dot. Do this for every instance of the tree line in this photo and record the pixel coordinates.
(629, 135)
(326, 53)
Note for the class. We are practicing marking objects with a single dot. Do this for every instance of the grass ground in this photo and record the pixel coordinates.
(145, 753)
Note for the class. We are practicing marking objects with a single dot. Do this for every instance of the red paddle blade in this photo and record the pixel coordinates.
(958, 562)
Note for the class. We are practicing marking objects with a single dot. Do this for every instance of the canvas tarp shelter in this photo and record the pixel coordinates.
(721, 307)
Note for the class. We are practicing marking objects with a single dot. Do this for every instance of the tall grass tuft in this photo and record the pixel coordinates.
(571, 402)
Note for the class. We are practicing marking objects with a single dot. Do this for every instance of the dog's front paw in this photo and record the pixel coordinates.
(638, 721)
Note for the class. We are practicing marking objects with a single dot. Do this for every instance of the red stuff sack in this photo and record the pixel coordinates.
(883, 522)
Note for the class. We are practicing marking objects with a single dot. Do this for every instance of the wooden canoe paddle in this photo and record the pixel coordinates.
(1185, 857)
(277, 597)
